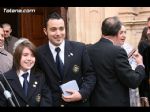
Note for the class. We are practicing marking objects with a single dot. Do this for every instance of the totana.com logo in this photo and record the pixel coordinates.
(10, 10)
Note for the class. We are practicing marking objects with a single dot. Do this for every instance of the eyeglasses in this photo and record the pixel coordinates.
(6, 31)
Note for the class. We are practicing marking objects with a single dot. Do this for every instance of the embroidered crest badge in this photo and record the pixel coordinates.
(38, 97)
(76, 68)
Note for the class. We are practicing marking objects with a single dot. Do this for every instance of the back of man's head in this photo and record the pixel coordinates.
(54, 15)
(111, 26)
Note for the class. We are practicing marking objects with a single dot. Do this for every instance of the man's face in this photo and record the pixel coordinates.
(55, 31)
(121, 37)
(7, 31)
(1, 37)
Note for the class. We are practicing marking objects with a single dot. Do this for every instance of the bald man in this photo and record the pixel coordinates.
(9, 39)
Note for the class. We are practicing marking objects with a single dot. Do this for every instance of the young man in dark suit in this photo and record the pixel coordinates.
(114, 73)
(75, 64)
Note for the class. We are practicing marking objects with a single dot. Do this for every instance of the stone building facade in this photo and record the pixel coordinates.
(84, 23)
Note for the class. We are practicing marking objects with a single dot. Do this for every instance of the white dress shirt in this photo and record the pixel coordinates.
(21, 79)
(61, 53)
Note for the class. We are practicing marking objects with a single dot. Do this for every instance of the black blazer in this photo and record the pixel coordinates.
(144, 87)
(77, 66)
(38, 92)
(114, 74)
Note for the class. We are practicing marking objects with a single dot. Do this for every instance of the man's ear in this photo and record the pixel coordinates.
(45, 32)
(10, 31)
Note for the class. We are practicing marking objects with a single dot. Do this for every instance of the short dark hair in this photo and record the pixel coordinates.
(111, 26)
(53, 15)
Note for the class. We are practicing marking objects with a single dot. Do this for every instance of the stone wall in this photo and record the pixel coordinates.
(85, 22)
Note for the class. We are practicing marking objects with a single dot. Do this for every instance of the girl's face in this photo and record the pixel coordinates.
(27, 59)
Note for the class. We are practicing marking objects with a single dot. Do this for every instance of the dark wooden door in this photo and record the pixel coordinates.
(31, 24)
(10, 18)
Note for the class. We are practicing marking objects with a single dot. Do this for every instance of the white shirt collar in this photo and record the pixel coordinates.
(21, 79)
(61, 46)
(22, 72)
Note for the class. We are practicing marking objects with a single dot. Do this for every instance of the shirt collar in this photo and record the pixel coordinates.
(22, 72)
(3, 51)
(61, 46)
(8, 38)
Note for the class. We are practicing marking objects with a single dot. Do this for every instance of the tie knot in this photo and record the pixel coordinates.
(25, 75)
(57, 49)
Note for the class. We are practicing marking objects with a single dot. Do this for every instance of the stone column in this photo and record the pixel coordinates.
(85, 23)
(111, 11)
(133, 23)
(144, 13)
(127, 14)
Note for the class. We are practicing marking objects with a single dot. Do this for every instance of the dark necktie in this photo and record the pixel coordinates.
(25, 83)
(59, 63)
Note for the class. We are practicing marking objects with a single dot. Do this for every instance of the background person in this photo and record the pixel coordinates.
(113, 71)
(134, 93)
(144, 49)
(6, 59)
(9, 39)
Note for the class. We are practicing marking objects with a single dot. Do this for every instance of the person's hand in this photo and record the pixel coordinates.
(74, 96)
(138, 58)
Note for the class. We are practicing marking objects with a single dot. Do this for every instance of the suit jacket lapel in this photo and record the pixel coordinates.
(67, 57)
(15, 84)
(33, 83)
(50, 60)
